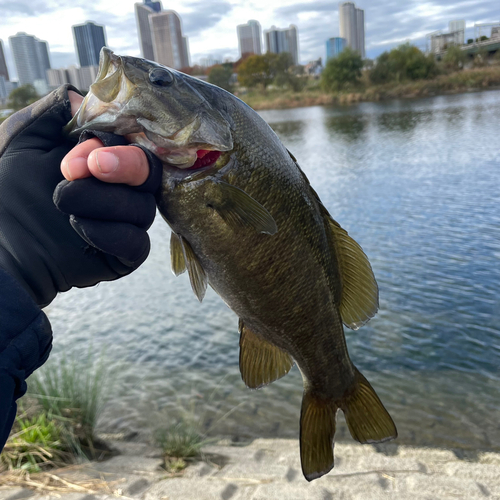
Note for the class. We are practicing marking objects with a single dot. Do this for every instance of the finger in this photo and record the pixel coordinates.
(93, 199)
(75, 164)
(125, 241)
(120, 164)
(75, 101)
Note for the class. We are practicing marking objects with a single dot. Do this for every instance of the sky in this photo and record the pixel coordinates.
(211, 25)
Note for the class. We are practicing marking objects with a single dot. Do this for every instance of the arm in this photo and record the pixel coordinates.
(56, 233)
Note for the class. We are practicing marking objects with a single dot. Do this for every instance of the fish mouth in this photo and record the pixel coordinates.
(122, 101)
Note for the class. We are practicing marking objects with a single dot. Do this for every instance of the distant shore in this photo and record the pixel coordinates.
(471, 80)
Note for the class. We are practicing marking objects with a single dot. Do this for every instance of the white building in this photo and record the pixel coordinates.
(352, 26)
(459, 28)
(169, 46)
(283, 40)
(249, 38)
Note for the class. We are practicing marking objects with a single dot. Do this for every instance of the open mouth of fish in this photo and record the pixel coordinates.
(113, 105)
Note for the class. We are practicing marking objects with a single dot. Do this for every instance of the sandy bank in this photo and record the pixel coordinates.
(270, 469)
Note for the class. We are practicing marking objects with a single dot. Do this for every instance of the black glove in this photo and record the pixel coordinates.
(44, 249)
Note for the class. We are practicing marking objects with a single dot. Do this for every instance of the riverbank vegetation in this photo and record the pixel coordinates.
(404, 72)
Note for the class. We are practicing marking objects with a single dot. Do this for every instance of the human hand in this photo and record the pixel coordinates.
(104, 238)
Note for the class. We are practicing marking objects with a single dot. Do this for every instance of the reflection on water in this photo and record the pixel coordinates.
(416, 184)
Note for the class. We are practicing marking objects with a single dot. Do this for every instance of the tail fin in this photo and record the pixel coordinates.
(366, 417)
(317, 429)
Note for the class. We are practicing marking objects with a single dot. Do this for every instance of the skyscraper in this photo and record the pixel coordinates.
(142, 12)
(334, 46)
(249, 38)
(31, 57)
(283, 40)
(89, 39)
(3, 65)
(169, 46)
(352, 26)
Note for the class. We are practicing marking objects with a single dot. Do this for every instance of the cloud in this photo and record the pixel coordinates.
(204, 15)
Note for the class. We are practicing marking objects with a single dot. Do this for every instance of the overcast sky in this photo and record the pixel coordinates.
(211, 24)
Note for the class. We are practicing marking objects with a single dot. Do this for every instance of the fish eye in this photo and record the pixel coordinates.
(160, 77)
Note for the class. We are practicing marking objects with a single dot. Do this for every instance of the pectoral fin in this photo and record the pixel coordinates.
(182, 257)
(177, 260)
(238, 209)
(260, 361)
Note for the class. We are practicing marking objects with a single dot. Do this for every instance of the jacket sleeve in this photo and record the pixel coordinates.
(25, 344)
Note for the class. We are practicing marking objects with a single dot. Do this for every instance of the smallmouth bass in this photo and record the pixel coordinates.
(246, 220)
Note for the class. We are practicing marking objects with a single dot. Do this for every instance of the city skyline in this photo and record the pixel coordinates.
(211, 27)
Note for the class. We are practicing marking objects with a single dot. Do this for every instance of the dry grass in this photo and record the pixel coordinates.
(53, 483)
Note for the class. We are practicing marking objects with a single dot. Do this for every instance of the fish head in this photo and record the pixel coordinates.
(154, 106)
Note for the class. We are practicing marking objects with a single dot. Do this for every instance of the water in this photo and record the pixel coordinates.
(416, 183)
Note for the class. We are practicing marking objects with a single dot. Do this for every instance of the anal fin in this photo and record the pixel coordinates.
(260, 361)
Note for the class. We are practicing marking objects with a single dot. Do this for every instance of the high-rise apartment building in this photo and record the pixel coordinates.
(458, 27)
(249, 38)
(142, 13)
(283, 40)
(31, 57)
(3, 64)
(169, 46)
(352, 26)
(334, 46)
(89, 39)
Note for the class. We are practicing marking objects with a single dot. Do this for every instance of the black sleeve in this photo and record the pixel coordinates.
(25, 344)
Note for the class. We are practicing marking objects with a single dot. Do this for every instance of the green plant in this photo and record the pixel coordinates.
(343, 71)
(36, 443)
(454, 58)
(73, 393)
(221, 76)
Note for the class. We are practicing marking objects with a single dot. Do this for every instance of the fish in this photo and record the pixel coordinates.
(246, 221)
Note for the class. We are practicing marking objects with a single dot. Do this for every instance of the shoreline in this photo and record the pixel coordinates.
(270, 468)
(465, 81)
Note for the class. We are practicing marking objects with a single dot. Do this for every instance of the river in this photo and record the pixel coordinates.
(417, 184)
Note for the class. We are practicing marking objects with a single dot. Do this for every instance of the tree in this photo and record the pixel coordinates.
(263, 70)
(255, 71)
(22, 96)
(405, 62)
(220, 75)
(454, 58)
(343, 71)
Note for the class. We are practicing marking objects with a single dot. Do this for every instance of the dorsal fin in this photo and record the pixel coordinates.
(260, 361)
(359, 301)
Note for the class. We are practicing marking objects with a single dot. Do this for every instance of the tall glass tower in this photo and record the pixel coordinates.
(89, 39)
